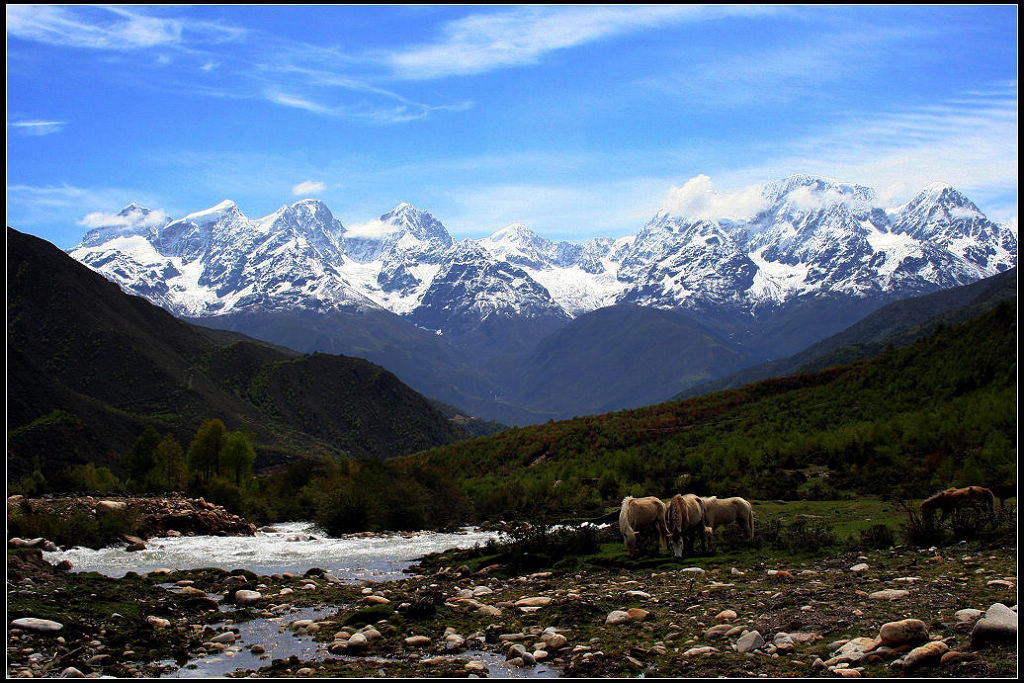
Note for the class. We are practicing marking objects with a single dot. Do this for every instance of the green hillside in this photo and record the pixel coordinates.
(915, 419)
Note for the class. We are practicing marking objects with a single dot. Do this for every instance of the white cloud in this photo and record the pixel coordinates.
(135, 219)
(492, 40)
(109, 27)
(697, 199)
(308, 187)
(37, 127)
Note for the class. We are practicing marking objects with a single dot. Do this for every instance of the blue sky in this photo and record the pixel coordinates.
(576, 120)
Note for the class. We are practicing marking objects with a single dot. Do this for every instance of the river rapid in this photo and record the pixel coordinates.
(292, 547)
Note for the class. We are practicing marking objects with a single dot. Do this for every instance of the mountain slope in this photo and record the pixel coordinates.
(898, 324)
(940, 412)
(90, 367)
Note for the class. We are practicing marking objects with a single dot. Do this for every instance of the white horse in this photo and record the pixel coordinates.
(684, 519)
(639, 514)
(719, 511)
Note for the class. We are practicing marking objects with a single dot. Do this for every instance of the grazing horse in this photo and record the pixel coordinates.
(684, 519)
(954, 500)
(639, 514)
(719, 511)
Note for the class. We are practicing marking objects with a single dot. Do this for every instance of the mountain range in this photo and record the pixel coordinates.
(516, 327)
(89, 368)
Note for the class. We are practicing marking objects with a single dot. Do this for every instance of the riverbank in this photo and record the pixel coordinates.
(657, 617)
(98, 521)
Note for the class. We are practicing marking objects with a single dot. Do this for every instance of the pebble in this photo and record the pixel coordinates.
(618, 617)
(38, 625)
(889, 594)
(903, 632)
(749, 641)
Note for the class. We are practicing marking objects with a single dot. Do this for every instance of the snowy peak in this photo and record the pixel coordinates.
(406, 218)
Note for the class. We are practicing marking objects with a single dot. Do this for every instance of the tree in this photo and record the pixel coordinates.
(141, 458)
(170, 464)
(237, 455)
(204, 451)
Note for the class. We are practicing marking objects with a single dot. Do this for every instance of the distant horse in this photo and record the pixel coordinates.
(637, 515)
(718, 511)
(684, 519)
(953, 500)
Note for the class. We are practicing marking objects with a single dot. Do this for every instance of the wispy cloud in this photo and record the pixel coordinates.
(308, 187)
(37, 128)
(109, 27)
(493, 40)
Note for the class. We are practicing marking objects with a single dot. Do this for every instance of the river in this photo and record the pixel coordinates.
(292, 547)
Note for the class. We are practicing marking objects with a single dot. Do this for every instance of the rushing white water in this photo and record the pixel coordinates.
(292, 547)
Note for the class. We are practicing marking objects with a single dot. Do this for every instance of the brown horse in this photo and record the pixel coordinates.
(684, 519)
(951, 501)
(718, 511)
(637, 516)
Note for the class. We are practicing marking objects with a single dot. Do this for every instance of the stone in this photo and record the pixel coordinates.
(903, 632)
(726, 615)
(749, 641)
(718, 631)
(637, 614)
(539, 601)
(617, 618)
(417, 641)
(861, 567)
(227, 637)
(554, 641)
(71, 672)
(967, 616)
(783, 642)
(38, 625)
(357, 640)
(929, 652)
(157, 622)
(889, 594)
(247, 597)
(376, 600)
(847, 673)
(998, 625)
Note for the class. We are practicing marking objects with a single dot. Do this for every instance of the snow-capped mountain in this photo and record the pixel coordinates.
(814, 237)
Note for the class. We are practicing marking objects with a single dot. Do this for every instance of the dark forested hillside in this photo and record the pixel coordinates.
(897, 324)
(89, 368)
(939, 412)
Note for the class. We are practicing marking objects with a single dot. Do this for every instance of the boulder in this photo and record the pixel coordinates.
(999, 625)
(928, 653)
(750, 641)
(903, 632)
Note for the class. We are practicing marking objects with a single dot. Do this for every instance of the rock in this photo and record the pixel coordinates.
(692, 570)
(540, 601)
(157, 622)
(862, 567)
(110, 505)
(370, 633)
(637, 614)
(996, 583)
(954, 657)
(726, 615)
(489, 611)
(554, 641)
(99, 660)
(998, 625)
(71, 672)
(618, 617)
(889, 594)
(417, 641)
(846, 673)
(376, 600)
(967, 616)
(247, 597)
(38, 625)
(257, 649)
(783, 642)
(474, 666)
(226, 638)
(749, 641)
(481, 591)
(904, 632)
(704, 650)
(718, 631)
(357, 640)
(928, 652)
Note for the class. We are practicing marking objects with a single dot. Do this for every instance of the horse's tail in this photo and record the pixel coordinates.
(749, 509)
(626, 527)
